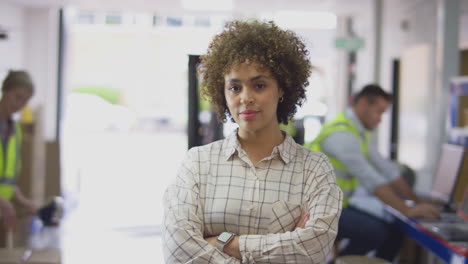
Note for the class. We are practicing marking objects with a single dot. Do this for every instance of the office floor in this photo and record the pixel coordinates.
(82, 241)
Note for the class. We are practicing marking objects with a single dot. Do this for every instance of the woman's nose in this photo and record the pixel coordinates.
(247, 97)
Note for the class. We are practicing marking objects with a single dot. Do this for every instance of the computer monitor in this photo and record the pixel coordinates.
(445, 179)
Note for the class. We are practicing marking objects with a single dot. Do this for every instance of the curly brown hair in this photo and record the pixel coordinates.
(281, 52)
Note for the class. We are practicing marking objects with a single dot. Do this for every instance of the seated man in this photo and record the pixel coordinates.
(346, 141)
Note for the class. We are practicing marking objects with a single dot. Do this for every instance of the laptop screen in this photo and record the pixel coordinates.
(463, 208)
(447, 172)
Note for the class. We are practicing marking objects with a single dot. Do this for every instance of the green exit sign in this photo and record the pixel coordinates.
(349, 43)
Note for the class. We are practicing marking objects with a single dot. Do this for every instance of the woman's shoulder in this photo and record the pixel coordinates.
(207, 149)
(310, 155)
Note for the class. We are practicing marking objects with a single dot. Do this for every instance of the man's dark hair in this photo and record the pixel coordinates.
(372, 92)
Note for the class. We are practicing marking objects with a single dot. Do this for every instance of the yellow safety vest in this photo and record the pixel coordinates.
(344, 179)
(10, 163)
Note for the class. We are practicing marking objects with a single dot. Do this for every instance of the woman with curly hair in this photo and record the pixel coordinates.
(256, 196)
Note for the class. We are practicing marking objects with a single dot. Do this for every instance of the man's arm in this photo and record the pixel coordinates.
(391, 170)
(8, 214)
(386, 193)
(23, 201)
(345, 147)
(402, 187)
(388, 168)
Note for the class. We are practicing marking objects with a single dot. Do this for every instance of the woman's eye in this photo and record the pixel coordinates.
(234, 88)
(260, 86)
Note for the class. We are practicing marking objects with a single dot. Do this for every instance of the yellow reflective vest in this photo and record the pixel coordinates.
(10, 163)
(344, 179)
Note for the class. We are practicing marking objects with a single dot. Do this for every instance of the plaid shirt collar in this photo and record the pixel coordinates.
(286, 150)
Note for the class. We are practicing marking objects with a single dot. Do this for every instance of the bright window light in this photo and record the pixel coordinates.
(304, 19)
(213, 5)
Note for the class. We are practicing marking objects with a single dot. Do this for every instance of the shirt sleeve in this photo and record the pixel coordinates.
(323, 199)
(344, 147)
(389, 168)
(183, 240)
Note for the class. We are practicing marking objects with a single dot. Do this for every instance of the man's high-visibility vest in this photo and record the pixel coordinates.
(344, 179)
(10, 163)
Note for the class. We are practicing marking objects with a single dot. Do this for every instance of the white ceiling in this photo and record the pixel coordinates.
(245, 6)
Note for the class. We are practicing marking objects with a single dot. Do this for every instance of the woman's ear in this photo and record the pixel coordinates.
(281, 93)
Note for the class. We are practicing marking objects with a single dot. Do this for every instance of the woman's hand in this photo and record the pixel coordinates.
(212, 240)
(302, 222)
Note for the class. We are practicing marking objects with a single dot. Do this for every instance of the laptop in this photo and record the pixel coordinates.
(452, 231)
(448, 174)
(449, 178)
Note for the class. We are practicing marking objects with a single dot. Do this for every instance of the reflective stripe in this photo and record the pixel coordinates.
(341, 123)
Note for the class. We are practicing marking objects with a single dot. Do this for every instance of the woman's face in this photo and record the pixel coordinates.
(16, 98)
(252, 97)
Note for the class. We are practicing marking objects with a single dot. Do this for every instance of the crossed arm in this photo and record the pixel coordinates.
(232, 249)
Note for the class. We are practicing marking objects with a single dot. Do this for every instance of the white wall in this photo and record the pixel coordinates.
(364, 28)
(464, 30)
(41, 53)
(11, 49)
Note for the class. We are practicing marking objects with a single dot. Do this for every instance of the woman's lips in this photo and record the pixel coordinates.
(248, 114)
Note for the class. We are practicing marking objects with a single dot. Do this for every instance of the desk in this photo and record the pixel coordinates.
(448, 252)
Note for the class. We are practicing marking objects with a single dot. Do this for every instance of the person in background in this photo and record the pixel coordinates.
(17, 89)
(256, 196)
(346, 141)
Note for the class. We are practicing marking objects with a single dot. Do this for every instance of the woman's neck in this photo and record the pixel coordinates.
(260, 144)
